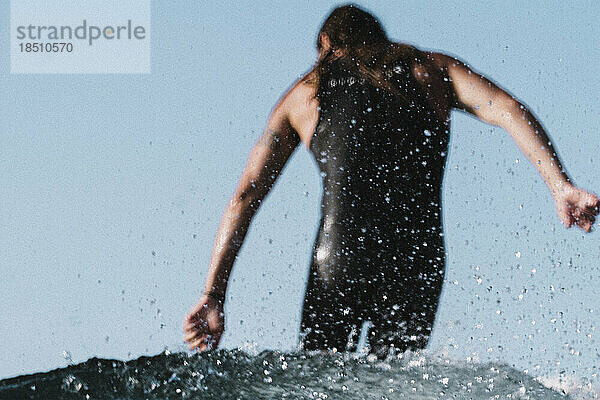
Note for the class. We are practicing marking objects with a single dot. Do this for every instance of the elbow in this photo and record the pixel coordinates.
(237, 210)
(509, 112)
(239, 203)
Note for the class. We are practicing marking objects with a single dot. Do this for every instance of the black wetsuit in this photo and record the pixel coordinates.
(379, 252)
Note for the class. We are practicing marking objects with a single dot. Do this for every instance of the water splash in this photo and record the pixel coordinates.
(226, 374)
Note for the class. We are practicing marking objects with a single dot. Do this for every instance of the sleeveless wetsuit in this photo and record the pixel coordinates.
(379, 251)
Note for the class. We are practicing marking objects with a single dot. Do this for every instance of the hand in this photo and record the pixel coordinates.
(205, 324)
(576, 206)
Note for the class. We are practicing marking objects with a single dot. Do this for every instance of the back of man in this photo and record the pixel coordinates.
(430, 85)
(302, 107)
(379, 253)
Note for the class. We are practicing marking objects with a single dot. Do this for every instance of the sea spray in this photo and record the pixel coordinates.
(234, 374)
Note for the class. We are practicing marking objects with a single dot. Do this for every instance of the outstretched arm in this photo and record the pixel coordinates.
(477, 95)
(204, 324)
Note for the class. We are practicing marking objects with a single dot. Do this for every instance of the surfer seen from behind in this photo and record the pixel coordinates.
(375, 114)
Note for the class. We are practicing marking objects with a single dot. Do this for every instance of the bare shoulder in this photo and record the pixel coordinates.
(294, 98)
(440, 60)
(430, 69)
(301, 91)
(299, 106)
(451, 67)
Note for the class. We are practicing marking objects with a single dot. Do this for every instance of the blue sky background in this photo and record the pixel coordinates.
(112, 187)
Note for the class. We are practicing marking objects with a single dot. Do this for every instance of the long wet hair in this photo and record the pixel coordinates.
(360, 42)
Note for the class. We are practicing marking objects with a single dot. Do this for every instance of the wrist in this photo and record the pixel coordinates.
(560, 187)
(214, 295)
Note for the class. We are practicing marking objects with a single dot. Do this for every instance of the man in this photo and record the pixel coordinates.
(376, 116)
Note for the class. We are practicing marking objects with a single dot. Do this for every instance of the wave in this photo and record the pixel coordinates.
(234, 374)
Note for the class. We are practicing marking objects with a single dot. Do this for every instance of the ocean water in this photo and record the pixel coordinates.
(227, 374)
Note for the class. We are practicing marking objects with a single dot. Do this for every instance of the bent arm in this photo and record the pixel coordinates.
(266, 160)
(493, 105)
(479, 96)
